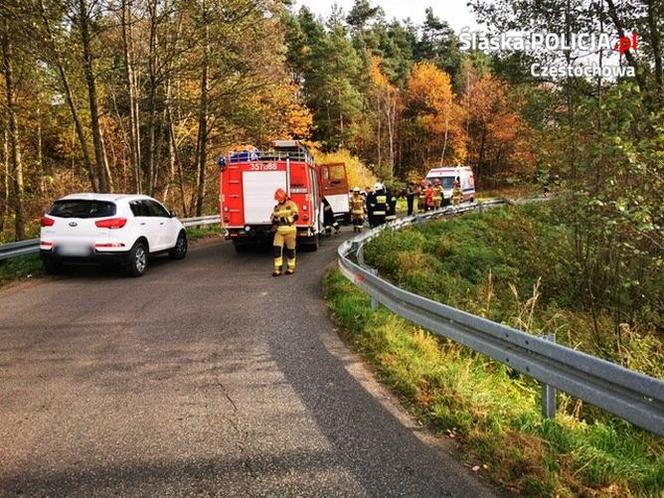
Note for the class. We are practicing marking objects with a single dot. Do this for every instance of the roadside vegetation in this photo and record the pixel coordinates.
(515, 266)
(21, 268)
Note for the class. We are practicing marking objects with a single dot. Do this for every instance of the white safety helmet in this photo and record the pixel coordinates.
(356, 190)
(378, 186)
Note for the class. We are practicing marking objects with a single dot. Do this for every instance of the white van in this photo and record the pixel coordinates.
(447, 175)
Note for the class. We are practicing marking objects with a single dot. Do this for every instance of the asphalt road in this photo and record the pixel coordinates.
(204, 377)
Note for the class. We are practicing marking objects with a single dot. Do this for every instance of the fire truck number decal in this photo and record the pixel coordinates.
(264, 167)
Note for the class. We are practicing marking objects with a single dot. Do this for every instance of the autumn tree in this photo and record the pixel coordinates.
(498, 136)
(387, 99)
(435, 130)
(14, 167)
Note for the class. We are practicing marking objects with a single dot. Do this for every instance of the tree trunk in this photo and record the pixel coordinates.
(655, 43)
(152, 97)
(480, 155)
(78, 126)
(391, 125)
(107, 168)
(379, 144)
(447, 131)
(617, 22)
(92, 96)
(15, 152)
(4, 203)
(130, 79)
(201, 147)
(40, 153)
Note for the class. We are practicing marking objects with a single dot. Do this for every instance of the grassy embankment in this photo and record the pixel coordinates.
(501, 265)
(26, 267)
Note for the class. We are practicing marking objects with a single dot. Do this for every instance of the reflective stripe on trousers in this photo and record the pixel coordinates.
(281, 239)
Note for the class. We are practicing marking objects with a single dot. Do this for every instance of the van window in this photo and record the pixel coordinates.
(80, 208)
(447, 182)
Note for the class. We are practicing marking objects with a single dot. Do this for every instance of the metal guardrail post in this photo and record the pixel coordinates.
(375, 304)
(549, 392)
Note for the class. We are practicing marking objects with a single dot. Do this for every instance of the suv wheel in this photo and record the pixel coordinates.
(180, 249)
(52, 267)
(138, 259)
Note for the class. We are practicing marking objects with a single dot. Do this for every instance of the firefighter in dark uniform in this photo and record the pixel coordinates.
(284, 216)
(411, 192)
(377, 206)
(391, 213)
(329, 221)
(357, 208)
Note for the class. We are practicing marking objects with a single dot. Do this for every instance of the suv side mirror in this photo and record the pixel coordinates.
(173, 214)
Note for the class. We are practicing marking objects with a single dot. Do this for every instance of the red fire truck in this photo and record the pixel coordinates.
(248, 180)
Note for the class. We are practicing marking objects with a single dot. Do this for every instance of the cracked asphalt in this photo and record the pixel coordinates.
(204, 377)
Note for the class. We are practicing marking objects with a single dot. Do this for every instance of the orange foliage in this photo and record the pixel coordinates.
(432, 101)
(500, 138)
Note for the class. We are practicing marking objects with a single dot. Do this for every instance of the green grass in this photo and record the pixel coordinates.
(196, 233)
(503, 265)
(20, 268)
(496, 417)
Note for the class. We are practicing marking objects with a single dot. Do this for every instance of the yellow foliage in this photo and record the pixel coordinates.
(358, 174)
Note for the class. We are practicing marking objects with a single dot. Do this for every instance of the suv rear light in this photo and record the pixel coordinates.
(47, 222)
(112, 223)
(106, 245)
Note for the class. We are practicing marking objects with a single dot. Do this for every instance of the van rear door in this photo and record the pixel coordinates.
(335, 186)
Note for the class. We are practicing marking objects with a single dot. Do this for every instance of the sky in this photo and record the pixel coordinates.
(455, 12)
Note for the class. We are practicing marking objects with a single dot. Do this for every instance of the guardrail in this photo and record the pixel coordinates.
(25, 247)
(201, 221)
(630, 395)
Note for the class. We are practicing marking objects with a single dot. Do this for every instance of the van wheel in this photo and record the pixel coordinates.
(138, 259)
(310, 244)
(180, 249)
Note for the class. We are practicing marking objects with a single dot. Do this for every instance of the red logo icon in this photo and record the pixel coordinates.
(626, 43)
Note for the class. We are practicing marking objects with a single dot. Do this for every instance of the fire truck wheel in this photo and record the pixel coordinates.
(310, 244)
(241, 247)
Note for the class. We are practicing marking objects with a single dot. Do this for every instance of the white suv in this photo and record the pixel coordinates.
(114, 228)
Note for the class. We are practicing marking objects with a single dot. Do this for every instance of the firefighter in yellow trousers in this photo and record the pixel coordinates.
(437, 194)
(284, 216)
(357, 208)
(457, 193)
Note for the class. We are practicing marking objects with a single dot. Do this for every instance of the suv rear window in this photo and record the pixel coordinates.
(82, 209)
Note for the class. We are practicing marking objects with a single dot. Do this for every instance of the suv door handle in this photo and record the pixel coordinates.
(143, 223)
